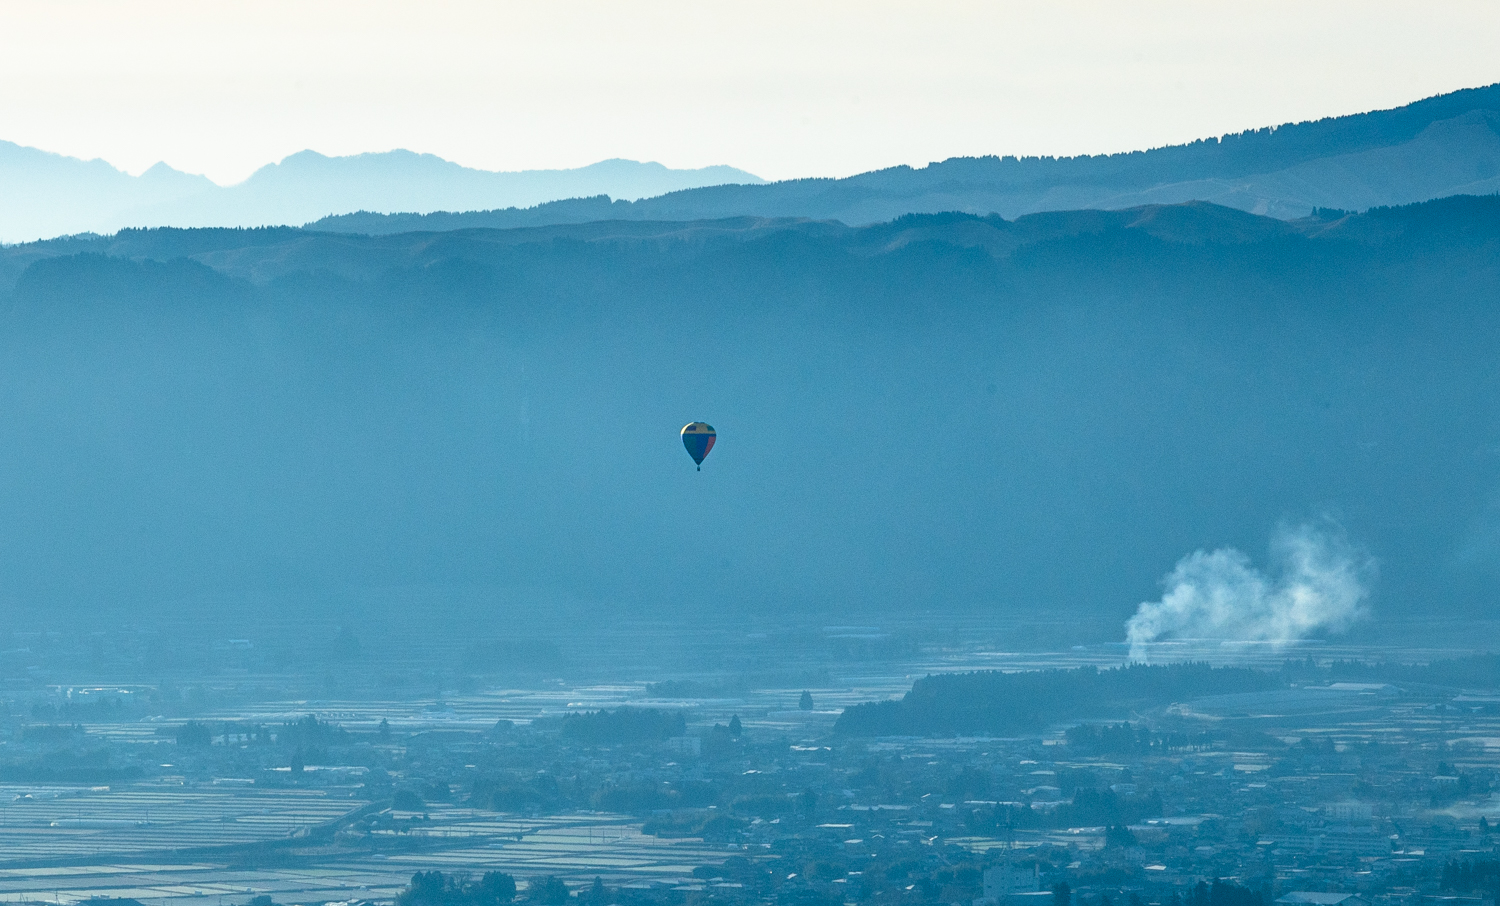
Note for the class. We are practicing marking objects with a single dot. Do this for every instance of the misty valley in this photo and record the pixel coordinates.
(1002, 532)
(1089, 557)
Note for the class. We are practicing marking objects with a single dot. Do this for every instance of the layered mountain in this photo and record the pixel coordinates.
(939, 413)
(1445, 145)
(49, 195)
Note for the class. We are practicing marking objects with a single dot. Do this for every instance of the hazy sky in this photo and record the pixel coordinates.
(779, 87)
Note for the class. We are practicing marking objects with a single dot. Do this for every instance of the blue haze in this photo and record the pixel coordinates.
(945, 414)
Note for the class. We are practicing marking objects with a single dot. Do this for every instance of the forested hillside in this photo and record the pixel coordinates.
(994, 703)
(944, 412)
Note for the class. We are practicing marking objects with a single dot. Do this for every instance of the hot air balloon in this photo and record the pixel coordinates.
(698, 437)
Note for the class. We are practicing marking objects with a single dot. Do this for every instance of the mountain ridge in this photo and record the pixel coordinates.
(263, 254)
(1439, 146)
(52, 195)
(1435, 147)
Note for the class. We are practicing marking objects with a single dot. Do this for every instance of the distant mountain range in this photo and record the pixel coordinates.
(1441, 146)
(47, 195)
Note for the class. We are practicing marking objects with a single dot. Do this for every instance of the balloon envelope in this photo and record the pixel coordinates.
(699, 438)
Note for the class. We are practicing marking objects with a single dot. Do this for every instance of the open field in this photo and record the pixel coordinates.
(573, 847)
(62, 824)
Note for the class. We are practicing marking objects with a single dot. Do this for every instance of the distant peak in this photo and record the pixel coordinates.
(307, 154)
(163, 170)
(615, 164)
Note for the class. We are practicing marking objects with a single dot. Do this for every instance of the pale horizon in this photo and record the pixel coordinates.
(782, 91)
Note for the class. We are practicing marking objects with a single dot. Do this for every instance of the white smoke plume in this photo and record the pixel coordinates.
(1320, 582)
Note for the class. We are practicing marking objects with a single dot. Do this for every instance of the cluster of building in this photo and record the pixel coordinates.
(1355, 796)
